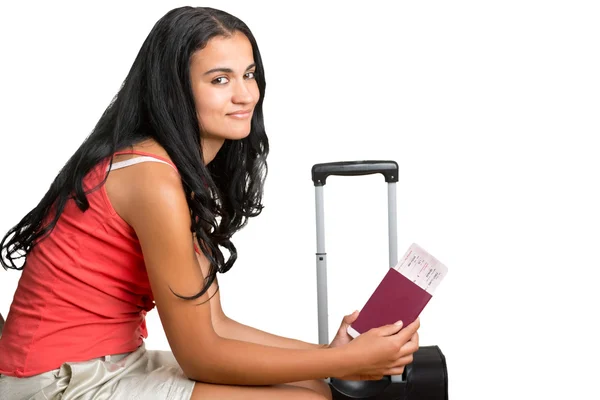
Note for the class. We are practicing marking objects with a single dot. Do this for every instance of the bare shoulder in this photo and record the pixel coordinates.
(147, 146)
(126, 187)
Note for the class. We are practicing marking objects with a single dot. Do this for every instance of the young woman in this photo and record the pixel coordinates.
(138, 218)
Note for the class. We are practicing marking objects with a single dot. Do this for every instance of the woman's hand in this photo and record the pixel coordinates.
(404, 342)
(342, 337)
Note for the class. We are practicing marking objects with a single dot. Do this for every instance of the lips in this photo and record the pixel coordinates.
(241, 113)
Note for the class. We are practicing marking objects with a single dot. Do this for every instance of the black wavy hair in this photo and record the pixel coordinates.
(156, 101)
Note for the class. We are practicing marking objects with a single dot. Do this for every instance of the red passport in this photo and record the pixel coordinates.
(395, 299)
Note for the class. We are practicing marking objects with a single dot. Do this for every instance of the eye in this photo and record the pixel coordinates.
(221, 80)
(250, 75)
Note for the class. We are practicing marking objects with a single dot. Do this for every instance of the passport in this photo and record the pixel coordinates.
(403, 292)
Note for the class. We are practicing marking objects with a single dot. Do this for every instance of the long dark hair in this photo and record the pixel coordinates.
(156, 101)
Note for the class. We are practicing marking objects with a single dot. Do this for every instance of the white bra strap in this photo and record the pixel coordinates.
(133, 161)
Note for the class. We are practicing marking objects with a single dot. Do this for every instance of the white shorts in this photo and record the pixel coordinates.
(142, 374)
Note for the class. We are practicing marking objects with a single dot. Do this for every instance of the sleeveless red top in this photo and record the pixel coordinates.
(84, 291)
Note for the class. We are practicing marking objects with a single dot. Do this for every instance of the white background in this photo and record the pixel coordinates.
(489, 108)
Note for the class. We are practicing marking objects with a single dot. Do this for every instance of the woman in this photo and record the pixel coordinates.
(137, 218)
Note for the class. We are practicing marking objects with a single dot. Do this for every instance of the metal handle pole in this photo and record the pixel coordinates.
(392, 225)
(322, 306)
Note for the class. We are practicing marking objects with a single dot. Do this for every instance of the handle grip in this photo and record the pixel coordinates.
(320, 172)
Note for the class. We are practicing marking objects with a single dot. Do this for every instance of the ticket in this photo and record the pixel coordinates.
(421, 268)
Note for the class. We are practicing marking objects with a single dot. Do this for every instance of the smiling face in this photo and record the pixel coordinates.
(225, 91)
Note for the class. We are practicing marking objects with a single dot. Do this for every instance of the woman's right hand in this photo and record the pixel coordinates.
(382, 351)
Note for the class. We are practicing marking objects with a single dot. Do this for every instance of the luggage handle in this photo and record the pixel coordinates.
(320, 172)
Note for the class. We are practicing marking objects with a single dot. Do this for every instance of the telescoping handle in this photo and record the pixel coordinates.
(320, 172)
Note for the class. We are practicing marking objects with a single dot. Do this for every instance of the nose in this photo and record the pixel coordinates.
(242, 93)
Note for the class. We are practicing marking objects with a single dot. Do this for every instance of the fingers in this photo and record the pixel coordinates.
(388, 330)
(403, 361)
(395, 371)
(415, 338)
(350, 318)
(372, 377)
(409, 347)
(415, 325)
(407, 333)
(363, 377)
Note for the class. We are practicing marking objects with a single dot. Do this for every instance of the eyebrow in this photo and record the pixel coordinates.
(227, 70)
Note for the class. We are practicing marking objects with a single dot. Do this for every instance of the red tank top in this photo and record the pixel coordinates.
(84, 291)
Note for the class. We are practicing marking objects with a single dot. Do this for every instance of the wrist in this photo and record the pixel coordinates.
(342, 361)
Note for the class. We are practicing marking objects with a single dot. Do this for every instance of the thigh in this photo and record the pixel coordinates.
(206, 391)
(31, 388)
(317, 385)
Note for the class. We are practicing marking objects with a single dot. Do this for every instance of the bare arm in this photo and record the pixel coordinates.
(231, 329)
(158, 212)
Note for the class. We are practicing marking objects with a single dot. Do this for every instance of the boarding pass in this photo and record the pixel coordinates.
(421, 268)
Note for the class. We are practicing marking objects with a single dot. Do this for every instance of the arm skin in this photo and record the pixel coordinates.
(231, 329)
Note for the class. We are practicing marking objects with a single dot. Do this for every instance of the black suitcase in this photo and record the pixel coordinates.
(426, 377)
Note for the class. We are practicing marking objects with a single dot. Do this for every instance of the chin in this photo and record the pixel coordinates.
(238, 135)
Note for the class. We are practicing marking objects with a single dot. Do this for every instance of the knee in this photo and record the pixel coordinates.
(322, 389)
(318, 389)
(312, 395)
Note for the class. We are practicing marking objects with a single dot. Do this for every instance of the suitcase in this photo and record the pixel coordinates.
(426, 378)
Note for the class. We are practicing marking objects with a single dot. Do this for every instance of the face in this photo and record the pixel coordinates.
(225, 91)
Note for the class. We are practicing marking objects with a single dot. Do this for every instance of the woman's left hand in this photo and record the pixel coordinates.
(342, 337)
